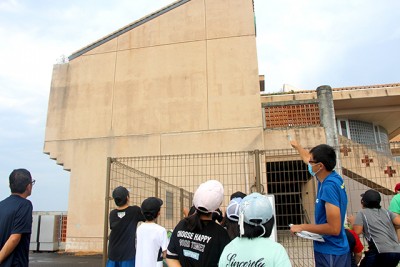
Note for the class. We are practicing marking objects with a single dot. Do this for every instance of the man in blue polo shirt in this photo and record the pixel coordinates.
(330, 207)
(16, 221)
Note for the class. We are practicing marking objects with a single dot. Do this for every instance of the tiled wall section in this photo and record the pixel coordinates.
(292, 115)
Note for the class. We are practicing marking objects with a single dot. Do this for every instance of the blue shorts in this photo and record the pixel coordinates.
(329, 260)
(127, 263)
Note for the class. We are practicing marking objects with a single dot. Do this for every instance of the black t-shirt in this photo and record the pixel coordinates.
(16, 218)
(123, 224)
(197, 249)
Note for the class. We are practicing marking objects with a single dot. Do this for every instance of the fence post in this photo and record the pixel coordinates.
(257, 166)
(106, 208)
(156, 181)
(181, 201)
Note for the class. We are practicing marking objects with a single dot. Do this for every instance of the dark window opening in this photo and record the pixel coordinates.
(285, 180)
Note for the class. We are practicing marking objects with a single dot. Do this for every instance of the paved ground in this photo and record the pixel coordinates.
(50, 259)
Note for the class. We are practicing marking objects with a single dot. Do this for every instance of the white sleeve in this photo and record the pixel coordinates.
(164, 240)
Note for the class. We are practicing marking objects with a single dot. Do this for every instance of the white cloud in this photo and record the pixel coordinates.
(10, 6)
(33, 37)
(298, 40)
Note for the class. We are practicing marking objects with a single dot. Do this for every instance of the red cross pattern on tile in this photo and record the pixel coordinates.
(367, 160)
(345, 150)
(389, 171)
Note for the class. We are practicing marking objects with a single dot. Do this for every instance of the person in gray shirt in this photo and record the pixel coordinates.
(377, 224)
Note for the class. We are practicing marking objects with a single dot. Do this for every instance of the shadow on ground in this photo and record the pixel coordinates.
(54, 259)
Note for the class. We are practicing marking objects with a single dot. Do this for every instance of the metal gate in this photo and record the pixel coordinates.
(174, 178)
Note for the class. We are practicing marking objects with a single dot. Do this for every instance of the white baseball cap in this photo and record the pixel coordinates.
(232, 211)
(208, 196)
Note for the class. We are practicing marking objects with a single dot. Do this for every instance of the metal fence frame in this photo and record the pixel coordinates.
(279, 172)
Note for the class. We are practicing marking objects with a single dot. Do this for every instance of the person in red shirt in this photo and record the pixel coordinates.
(356, 247)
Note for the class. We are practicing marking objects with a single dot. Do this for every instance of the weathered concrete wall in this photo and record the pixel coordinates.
(277, 139)
(184, 82)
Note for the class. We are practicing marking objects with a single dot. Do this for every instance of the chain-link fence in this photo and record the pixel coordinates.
(174, 178)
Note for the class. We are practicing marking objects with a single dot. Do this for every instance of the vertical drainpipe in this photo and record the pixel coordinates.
(328, 120)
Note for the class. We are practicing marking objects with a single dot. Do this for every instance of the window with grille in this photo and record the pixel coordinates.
(362, 132)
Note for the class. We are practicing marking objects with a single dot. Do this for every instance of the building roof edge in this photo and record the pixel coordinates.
(126, 28)
(377, 86)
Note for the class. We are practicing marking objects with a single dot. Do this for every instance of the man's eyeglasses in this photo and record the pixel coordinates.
(33, 182)
(313, 161)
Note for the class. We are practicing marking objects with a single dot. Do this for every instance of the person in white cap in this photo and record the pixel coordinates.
(198, 240)
(230, 221)
(253, 247)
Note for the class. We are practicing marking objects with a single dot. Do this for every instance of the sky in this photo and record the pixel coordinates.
(304, 43)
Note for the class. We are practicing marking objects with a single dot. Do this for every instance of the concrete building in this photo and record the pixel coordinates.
(181, 80)
(185, 80)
